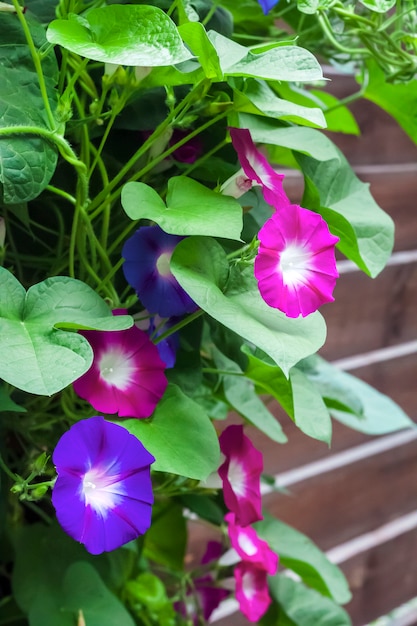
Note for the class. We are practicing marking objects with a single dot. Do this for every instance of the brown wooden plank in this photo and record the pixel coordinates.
(382, 578)
(334, 507)
(369, 314)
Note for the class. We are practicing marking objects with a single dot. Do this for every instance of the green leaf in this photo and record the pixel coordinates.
(366, 232)
(82, 590)
(177, 434)
(303, 606)
(39, 357)
(198, 263)
(378, 6)
(121, 34)
(284, 62)
(192, 209)
(256, 97)
(298, 396)
(301, 555)
(7, 404)
(159, 545)
(242, 397)
(27, 160)
(379, 414)
(399, 99)
(308, 6)
(195, 36)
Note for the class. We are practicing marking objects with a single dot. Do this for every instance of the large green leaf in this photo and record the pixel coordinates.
(302, 606)
(301, 555)
(284, 62)
(197, 264)
(379, 6)
(191, 208)
(38, 356)
(179, 435)
(27, 160)
(378, 414)
(124, 34)
(397, 99)
(256, 97)
(242, 397)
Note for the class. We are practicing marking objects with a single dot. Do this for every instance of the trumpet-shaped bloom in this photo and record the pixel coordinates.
(241, 474)
(296, 265)
(146, 268)
(250, 547)
(127, 374)
(257, 168)
(251, 590)
(267, 5)
(103, 494)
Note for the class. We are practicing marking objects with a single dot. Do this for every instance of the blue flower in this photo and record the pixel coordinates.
(146, 268)
(267, 5)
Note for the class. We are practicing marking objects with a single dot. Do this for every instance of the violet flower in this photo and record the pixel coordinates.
(251, 590)
(103, 494)
(296, 265)
(127, 374)
(240, 474)
(257, 169)
(267, 5)
(147, 255)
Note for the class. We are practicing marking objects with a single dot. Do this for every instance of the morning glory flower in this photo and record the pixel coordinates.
(146, 268)
(127, 374)
(267, 5)
(295, 265)
(103, 494)
(251, 590)
(249, 546)
(241, 474)
(257, 169)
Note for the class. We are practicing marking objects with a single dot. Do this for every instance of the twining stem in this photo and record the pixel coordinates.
(184, 322)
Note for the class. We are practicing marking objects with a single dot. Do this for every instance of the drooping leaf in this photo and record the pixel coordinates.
(195, 36)
(27, 159)
(179, 435)
(301, 555)
(302, 606)
(134, 35)
(196, 264)
(191, 208)
(40, 357)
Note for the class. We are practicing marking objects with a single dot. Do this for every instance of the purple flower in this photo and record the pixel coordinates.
(103, 494)
(127, 374)
(190, 151)
(257, 169)
(267, 5)
(241, 474)
(296, 266)
(155, 326)
(146, 268)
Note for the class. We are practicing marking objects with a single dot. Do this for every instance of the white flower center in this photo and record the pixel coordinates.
(237, 477)
(295, 264)
(115, 369)
(162, 264)
(248, 585)
(96, 489)
(246, 544)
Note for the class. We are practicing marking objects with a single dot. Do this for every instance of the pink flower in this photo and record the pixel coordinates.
(296, 266)
(250, 547)
(127, 375)
(257, 168)
(251, 590)
(240, 474)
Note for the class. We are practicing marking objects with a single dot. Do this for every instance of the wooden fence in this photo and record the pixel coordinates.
(358, 500)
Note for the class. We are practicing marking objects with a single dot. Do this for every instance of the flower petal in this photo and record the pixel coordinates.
(251, 590)
(250, 547)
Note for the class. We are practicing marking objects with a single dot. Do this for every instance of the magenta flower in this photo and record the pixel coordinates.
(257, 168)
(296, 265)
(103, 494)
(146, 268)
(250, 547)
(251, 590)
(127, 375)
(240, 474)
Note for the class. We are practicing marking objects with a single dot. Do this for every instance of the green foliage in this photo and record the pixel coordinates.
(168, 522)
